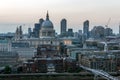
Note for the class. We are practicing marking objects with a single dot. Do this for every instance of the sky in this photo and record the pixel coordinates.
(27, 12)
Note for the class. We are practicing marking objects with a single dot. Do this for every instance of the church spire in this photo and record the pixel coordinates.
(47, 16)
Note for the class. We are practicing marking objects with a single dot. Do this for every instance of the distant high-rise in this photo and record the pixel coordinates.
(20, 31)
(80, 32)
(86, 29)
(29, 32)
(108, 32)
(63, 24)
(98, 32)
(37, 28)
(41, 21)
(119, 29)
(70, 32)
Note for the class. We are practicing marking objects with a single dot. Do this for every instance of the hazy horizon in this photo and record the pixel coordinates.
(27, 12)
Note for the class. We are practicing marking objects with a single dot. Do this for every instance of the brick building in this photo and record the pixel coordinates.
(48, 59)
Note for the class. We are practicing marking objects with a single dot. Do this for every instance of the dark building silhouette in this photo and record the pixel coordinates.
(63, 25)
(86, 29)
(108, 32)
(36, 30)
(70, 32)
(37, 27)
(98, 32)
(41, 21)
(119, 29)
(29, 32)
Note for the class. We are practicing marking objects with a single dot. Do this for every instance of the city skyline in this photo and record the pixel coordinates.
(74, 11)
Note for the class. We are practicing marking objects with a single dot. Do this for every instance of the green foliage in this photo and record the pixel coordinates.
(7, 70)
(70, 70)
(78, 70)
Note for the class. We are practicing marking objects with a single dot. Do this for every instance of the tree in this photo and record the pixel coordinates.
(7, 70)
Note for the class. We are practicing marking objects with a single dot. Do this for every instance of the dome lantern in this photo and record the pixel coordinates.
(47, 16)
(47, 23)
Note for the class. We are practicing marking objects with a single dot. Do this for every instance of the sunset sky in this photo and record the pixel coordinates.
(76, 12)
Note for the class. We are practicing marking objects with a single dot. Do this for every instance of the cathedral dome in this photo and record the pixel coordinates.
(47, 23)
(47, 30)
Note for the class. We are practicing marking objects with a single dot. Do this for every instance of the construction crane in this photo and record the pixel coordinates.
(108, 22)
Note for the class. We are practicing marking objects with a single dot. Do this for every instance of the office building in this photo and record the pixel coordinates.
(36, 29)
(99, 61)
(8, 58)
(63, 25)
(86, 29)
(108, 32)
(41, 21)
(29, 32)
(70, 32)
(98, 32)
(119, 29)
(5, 45)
